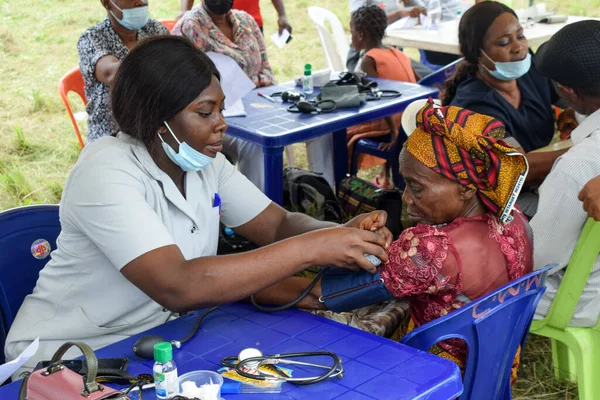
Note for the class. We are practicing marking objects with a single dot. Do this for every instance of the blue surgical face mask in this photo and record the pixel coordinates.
(134, 19)
(188, 158)
(507, 71)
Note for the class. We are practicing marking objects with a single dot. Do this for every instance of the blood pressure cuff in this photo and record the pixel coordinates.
(343, 96)
(344, 290)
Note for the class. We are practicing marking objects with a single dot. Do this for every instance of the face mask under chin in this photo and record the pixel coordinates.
(507, 71)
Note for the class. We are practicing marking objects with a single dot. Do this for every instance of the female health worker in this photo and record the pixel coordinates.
(140, 216)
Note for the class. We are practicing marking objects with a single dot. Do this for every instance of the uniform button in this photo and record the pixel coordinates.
(194, 229)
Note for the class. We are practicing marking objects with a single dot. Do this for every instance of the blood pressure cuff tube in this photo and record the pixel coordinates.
(344, 290)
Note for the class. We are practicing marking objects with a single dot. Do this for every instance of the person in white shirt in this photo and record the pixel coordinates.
(571, 60)
(140, 216)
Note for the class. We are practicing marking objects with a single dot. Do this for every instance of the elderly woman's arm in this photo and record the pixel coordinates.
(404, 272)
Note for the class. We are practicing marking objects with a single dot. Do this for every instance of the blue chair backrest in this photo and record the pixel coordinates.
(493, 327)
(439, 77)
(26, 235)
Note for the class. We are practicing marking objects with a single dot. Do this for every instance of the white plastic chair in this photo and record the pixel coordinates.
(335, 46)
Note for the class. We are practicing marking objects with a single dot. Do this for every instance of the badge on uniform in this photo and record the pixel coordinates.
(217, 202)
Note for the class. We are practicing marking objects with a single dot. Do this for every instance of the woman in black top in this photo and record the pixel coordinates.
(497, 79)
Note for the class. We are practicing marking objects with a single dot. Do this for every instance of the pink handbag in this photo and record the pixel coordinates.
(60, 383)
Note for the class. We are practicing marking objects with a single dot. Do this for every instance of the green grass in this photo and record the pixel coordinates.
(38, 146)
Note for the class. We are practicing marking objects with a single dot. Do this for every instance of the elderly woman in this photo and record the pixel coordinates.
(498, 79)
(461, 182)
(101, 50)
(140, 216)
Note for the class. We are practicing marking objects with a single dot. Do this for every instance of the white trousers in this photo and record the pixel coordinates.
(250, 160)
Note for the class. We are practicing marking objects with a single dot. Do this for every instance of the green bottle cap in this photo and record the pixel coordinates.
(307, 70)
(163, 352)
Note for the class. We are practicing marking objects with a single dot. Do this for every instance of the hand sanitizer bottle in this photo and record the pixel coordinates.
(165, 372)
(307, 80)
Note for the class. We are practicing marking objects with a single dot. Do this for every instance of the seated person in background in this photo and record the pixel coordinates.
(214, 26)
(394, 10)
(567, 59)
(101, 48)
(497, 79)
(367, 27)
(252, 7)
(468, 239)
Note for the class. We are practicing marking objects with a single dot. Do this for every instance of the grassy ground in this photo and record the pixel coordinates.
(37, 145)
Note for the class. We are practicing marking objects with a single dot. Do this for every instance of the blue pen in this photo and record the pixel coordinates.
(217, 202)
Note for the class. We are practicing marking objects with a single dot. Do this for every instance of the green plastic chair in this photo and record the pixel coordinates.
(575, 351)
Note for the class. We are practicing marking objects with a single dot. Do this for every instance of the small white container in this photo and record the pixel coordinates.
(200, 378)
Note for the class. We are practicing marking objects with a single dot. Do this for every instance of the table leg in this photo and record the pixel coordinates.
(340, 156)
(274, 173)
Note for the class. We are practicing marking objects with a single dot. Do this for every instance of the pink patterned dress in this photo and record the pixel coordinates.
(248, 47)
(440, 269)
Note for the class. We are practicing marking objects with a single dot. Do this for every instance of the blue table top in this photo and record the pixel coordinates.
(271, 125)
(374, 367)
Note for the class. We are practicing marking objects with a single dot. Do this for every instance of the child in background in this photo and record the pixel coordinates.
(367, 27)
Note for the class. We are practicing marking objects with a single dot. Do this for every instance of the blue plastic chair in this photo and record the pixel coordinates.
(493, 328)
(425, 61)
(371, 146)
(25, 233)
(439, 77)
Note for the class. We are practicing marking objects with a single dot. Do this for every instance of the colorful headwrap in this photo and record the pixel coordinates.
(468, 148)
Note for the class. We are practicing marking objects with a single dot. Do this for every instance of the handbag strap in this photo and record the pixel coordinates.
(23, 390)
(89, 381)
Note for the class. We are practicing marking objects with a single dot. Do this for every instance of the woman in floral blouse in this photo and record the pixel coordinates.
(213, 26)
(461, 184)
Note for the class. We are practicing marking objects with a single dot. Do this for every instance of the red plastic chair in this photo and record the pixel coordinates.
(72, 81)
(169, 23)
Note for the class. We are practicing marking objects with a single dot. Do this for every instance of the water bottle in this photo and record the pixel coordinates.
(166, 380)
(434, 12)
(307, 80)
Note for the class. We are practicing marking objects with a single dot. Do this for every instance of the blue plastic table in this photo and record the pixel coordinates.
(272, 127)
(374, 367)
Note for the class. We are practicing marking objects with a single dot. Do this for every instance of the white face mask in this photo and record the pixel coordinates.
(133, 19)
(508, 71)
(188, 158)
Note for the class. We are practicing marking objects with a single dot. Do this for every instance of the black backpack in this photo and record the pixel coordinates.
(309, 193)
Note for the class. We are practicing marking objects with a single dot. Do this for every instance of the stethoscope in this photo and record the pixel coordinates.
(249, 361)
